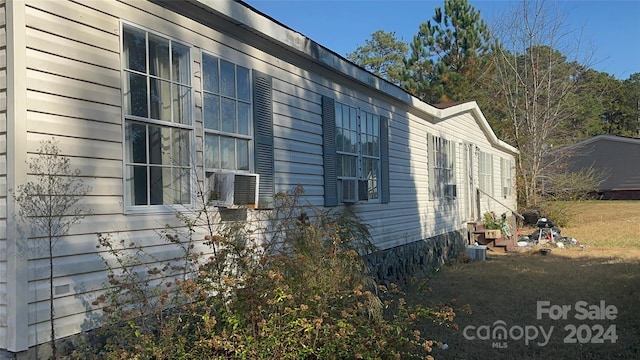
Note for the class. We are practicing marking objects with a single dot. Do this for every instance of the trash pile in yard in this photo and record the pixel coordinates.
(547, 233)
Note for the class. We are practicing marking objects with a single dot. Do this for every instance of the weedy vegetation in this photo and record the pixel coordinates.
(293, 285)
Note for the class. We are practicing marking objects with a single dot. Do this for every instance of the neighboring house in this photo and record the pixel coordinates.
(135, 90)
(615, 158)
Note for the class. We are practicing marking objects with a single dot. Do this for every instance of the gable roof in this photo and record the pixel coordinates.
(245, 16)
(614, 138)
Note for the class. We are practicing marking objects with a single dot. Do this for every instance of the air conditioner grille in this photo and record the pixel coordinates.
(244, 190)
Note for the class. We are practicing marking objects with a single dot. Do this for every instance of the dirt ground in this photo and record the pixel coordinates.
(570, 304)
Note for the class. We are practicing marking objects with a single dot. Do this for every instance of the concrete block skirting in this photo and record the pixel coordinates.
(417, 259)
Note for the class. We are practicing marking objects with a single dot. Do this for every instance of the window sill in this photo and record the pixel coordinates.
(157, 209)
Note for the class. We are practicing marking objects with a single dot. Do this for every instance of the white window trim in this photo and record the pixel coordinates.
(442, 162)
(163, 208)
(250, 137)
(359, 176)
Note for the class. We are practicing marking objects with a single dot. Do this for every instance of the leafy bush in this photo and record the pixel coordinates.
(560, 212)
(295, 287)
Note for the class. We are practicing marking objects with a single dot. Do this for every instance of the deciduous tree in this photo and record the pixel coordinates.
(538, 83)
(49, 203)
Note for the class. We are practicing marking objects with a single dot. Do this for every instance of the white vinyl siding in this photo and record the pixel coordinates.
(3, 180)
(74, 79)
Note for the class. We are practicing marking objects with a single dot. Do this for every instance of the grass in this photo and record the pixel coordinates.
(606, 223)
(508, 287)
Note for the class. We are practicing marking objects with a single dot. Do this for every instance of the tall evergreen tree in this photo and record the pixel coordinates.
(445, 62)
(382, 55)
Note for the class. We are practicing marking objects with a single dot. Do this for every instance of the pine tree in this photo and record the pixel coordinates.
(446, 60)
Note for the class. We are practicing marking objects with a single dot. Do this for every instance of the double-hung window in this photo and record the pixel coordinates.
(506, 176)
(226, 115)
(358, 152)
(442, 155)
(485, 164)
(157, 109)
(355, 154)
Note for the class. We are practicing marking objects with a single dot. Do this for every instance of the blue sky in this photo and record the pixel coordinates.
(610, 29)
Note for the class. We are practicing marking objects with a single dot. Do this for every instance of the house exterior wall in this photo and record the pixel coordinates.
(3, 177)
(73, 93)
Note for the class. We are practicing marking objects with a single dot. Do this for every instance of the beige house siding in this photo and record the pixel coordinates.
(3, 176)
(72, 93)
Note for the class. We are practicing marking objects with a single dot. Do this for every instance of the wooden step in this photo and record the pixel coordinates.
(503, 241)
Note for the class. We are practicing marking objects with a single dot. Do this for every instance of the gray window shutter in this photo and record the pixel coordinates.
(329, 152)
(431, 162)
(385, 196)
(263, 135)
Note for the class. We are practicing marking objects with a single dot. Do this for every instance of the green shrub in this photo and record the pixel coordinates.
(295, 288)
(560, 212)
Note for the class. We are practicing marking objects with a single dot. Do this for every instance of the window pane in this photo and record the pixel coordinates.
(185, 186)
(347, 165)
(340, 142)
(243, 118)
(210, 70)
(136, 185)
(353, 119)
(181, 150)
(244, 90)
(136, 139)
(135, 95)
(338, 114)
(228, 153)
(345, 117)
(160, 99)
(135, 50)
(228, 115)
(375, 148)
(211, 112)
(156, 186)
(228, 77)
(243, 154)
(159, 57)
(180, 59)
(353, 144)
(376, 126)
(182, 105)
(159, 145)
(211, 152)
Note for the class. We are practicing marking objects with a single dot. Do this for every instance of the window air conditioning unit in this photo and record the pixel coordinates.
(505, 191)
(233, 190)
(349, 190)
(450, 190)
